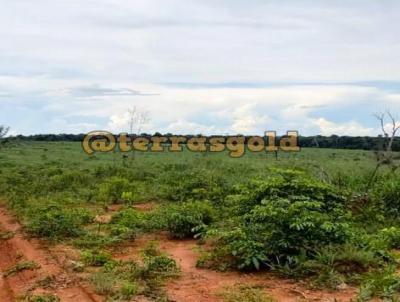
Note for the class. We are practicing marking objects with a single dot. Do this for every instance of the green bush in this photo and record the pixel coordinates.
(387, 192)
(380, 284)
(182, 183)
(112, 189)
(127, 223)
(56, 222)
(95, 257)
(287, 184)
(186, 219)
(280, 217)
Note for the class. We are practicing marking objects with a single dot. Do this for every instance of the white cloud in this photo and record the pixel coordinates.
(72, 60)
(348, 128)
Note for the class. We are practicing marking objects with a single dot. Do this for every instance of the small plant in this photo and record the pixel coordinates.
(95, 257)
(113, 188)
(240, 293)
(21, 266)
(380, 284)
(127, 223)
(56, 222)
(103, 282)
(157, 264)
(187, 219)
(6, 235)
(129, 290)
(41, 298)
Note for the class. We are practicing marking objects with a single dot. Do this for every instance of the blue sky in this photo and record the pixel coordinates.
(209, 66)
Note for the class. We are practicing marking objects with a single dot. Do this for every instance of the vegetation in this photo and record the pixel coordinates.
(240, 293)
(313, 215)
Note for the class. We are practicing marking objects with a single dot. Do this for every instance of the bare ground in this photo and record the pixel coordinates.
(50, 278)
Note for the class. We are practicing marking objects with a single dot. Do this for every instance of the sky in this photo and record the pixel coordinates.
(199, 66)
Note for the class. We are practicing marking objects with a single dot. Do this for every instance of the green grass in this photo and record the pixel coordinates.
(239, 293)
(21, 266)
(306, 215)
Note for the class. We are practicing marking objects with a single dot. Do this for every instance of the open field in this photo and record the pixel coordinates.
(308, 226)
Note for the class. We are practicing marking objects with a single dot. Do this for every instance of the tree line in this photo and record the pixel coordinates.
(319, 141)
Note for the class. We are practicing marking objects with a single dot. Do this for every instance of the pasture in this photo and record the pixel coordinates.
(165, 226)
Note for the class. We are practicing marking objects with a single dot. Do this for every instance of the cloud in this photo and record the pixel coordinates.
(98, 91)
(349, 128)
(181, 126)
(197, 66)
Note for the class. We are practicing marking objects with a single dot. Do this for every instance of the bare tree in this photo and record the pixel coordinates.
(137, 119)
(3, 131)
(386, 157)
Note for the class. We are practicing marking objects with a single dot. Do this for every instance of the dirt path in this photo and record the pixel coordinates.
(50, 277)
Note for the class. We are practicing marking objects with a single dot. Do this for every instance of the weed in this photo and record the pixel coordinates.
(239, 293)
(21, 266)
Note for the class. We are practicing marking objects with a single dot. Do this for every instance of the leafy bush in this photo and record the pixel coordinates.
(381, 284)
(286, 184)
(187, 219)
(55, 222)
(387, 192)
(280, 228)
(113, 188)
(95, 257)
(280, 217)
(190, 184)
(127, 223)
(122, 280)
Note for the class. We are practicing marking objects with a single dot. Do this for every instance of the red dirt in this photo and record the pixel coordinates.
(202, 285)
(194, 284)
(64, 284)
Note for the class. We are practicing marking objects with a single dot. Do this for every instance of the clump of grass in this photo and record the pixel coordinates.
(125, 279)
(383, 284)
(103, 282)
(95, 257)
(5, 235)
(240, 293)
(21, 266)
(40, 298)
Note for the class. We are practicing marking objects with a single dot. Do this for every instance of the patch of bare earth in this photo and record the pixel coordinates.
(203, 285)
(50, 277)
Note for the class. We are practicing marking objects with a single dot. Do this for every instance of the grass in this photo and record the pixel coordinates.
(340, 231)
(240, 293)
(39, 298)
(21, 266)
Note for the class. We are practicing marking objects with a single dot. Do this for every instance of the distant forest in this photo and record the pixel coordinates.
(319, 141)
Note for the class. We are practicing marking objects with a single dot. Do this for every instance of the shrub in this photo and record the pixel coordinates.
(113, 188)
(127, 223)
(187, 219)
(103, 282)
(387, 192)
(381, 284)
(286, 184)
(239, 293)
(281, 228)
(56, 222)
(95, 257)
(182, 183)
(280, 217)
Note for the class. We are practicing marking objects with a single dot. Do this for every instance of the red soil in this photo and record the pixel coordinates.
(203, 285)
(64, 284)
